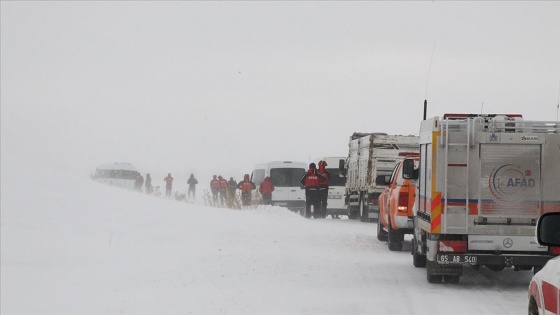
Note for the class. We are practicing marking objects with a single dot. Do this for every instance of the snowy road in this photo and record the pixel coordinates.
(94, 249)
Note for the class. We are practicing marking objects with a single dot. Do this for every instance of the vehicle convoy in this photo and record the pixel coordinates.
(116, 174)
(484, 180)
(544, 294)
(335, 203)
(285, 176)
(371, 155)
(396, 201)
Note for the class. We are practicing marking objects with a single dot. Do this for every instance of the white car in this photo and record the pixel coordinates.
(544, 293)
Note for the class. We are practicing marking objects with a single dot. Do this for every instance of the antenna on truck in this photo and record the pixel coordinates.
(428, 81)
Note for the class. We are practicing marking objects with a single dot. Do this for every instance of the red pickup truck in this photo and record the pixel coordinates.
(395, 203)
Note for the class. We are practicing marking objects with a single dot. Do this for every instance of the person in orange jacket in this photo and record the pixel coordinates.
(246, 186)
(266, 188)
(223, 189)
(310, 181)
(168, 185)
(215, 188)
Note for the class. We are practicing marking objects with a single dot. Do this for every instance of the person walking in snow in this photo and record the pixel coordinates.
(168, 185)
(148, 184)
(222, 189)
(310, 181)
(266, 188)
(192, 182)
(231, 188)
(215, 188)
(138, 182)
(246, 186)
(323, 188)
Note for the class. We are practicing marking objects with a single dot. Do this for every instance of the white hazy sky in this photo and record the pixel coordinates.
(215, 87)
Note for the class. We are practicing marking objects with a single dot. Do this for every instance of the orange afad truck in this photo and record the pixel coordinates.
(483, 182)
(396, 201)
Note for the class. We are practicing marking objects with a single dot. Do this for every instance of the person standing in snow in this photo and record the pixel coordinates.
(223, 190)
(231, 188)
(310, 181)
(215, 188)
(192, 182)
(266, 188)
(148, 184)
(246, 186)
(323, 188)
(168, 185)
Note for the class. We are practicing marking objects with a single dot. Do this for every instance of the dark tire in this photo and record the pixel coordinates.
(434, 278)
(352, 213)
(451, 279)
(363, 211)
(381, 234)
(418, 260)
(395, 238)
(533, 309)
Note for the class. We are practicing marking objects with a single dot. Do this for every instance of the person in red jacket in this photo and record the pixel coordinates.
(168, 185)
(323, 188)
(222, 189)
(266, 188)
(246, 187)
(310, 181)
(215, 188)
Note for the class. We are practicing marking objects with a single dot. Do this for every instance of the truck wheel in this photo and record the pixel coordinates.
(395, 238)
(363, 211)
(418, 260)
(451, 279)
(434, 278)
(381, 234)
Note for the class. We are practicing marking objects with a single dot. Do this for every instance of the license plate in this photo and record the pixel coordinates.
(456, 259)
(334, 197)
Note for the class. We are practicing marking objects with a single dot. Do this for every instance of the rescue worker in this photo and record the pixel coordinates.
(148, 184)
(222, 189)
(246, 186)
(192, 182)
(138, 182)
(266, 188)
(168, 185)
(310, 181)
(323, 187)
(215, 188)
(231, 187)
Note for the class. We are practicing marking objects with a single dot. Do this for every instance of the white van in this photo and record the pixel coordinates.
(116, 174)
(335, 202)
(285, 176)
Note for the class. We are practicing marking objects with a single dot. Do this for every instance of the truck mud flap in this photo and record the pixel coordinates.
(433, 268)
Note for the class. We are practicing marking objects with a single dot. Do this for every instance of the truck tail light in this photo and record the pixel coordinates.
(554, 250)
(452, 246)
(403, 203)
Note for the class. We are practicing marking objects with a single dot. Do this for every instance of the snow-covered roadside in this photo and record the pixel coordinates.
(73, 246)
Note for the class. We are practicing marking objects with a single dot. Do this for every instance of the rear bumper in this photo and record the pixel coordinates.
(507, 260)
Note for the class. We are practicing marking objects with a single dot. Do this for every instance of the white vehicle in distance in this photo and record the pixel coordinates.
(335, 201)
(116, 174)
(285, 176)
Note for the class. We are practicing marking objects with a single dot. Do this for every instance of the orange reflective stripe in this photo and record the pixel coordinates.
(436, 214)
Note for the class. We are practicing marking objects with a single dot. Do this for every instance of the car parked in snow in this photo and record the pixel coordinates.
(544, 290)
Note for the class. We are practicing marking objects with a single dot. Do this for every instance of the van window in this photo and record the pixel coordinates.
(258, 176)
(286, 177)
(337, 177)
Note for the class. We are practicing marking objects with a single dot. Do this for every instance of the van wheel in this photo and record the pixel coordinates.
(381, 234)
(395, 238)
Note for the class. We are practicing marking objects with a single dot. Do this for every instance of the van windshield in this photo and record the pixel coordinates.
(286, 177)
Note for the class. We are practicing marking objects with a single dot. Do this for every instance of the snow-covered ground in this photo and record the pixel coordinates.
(73, 246)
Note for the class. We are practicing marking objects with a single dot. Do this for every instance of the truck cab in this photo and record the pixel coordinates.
(397, 200)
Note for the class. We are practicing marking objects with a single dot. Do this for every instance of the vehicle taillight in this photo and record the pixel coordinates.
(452, 246)
(554, 250)
(403, 203)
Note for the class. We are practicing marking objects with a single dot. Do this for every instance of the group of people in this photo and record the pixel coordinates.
(316, 183)
(224, 192)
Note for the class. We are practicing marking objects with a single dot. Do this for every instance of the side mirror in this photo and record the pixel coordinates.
(342, 166)
(548, 229)
(382, 180)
